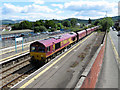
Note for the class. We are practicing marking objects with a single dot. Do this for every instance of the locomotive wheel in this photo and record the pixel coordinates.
(60, 51)
(54, 55)
(46, 61)
(40, 63)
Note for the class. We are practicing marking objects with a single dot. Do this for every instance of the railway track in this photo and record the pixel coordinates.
(16, 73)
(14, 66)
(12, 61)
(22, 75)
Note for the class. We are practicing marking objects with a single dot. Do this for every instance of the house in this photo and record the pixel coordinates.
(5, 27)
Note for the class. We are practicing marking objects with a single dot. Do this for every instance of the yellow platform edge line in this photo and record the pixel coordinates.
(13, 50)
(115, 51)
(13, 56)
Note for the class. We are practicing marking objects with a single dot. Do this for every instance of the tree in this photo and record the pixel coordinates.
(36, 29)
(83, 25)
(50, 24)
(52, 29)
(42, 22)
(15, 26)
(96, 22)
(40, 29)
(66, 23)
(106, 23)
(116, 26)
(59, 26)
(89, 21)
(73, 22)
(25, 25)
(39, 23)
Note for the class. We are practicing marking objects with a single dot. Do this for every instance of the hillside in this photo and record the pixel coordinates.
(9, 21)
(79, 20)
(116, 18)
(83, 21)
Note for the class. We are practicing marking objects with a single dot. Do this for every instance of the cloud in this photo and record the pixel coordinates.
(89, 5)
(29, 12)
(57, 5)
(67, 9)
(35, 16)
(89, 13)
(9, 8)
(59, 12)
(91, 8)
(47, 16)
(38, 2)
(36, 8)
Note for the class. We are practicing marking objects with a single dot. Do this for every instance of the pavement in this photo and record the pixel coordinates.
(116, 40)
(110, 75)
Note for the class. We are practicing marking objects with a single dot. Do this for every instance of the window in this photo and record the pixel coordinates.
(41, 49)
(33, 49)
(48, 49)
(57, 45)
(73, 38)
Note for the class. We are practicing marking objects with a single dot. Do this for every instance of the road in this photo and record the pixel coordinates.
(109, 76)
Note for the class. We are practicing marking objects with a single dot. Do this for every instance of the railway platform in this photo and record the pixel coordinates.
(61, 72)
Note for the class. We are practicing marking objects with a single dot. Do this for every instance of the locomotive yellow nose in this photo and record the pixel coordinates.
(38, 56)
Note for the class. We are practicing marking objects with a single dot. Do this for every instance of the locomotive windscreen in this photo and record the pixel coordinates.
(37, 47)
(33, 49)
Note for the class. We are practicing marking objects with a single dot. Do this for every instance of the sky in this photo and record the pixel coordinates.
(57, 9)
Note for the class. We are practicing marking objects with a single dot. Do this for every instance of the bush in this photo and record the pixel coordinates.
(53, 29)
(91, 26)
(58, 28)
(40, 29)
(36, 29)
(85, 28)
(49, 30)
(66, 23)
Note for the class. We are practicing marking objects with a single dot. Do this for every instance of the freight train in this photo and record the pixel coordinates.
(41, 51)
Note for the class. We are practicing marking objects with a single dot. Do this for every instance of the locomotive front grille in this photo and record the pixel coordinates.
(38, 56)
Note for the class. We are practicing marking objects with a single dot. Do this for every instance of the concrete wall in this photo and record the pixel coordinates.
(90, 76)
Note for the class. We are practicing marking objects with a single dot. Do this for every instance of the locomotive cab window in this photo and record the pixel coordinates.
(33, 49)
(73, 38)
(57, 45)
(41, 49)
(48, 49)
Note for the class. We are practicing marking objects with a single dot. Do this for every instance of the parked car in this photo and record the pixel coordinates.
(118, 33)
(114, 29)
